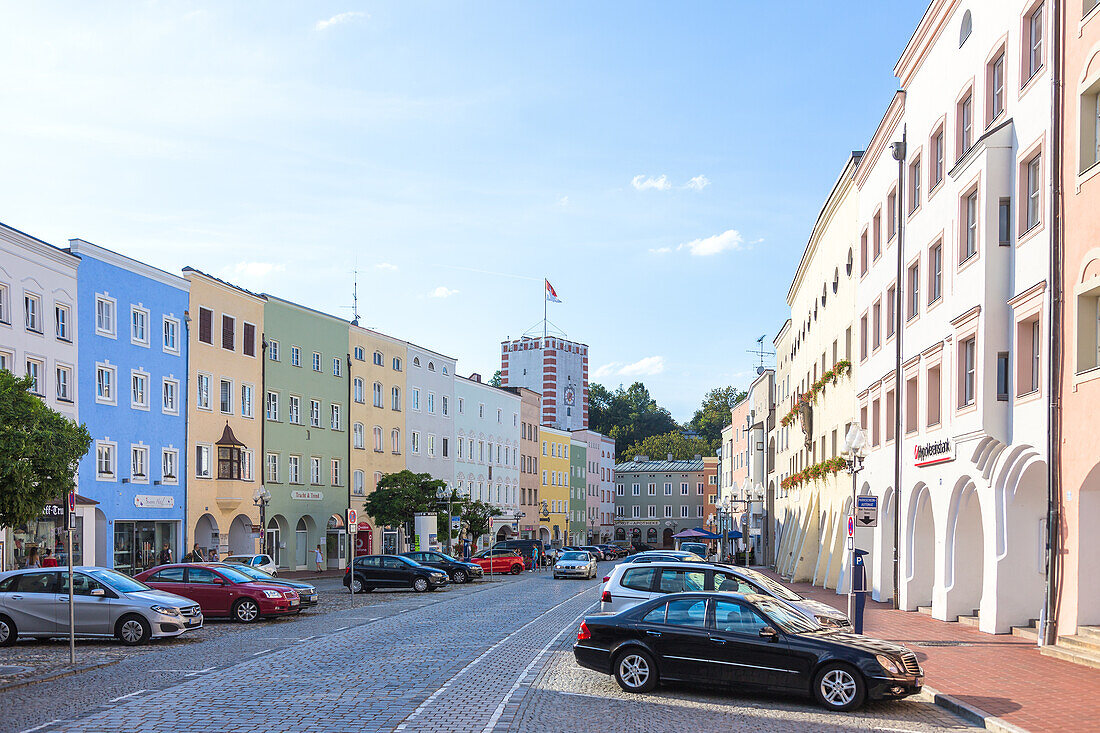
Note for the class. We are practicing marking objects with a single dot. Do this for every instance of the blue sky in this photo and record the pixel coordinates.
(660, 163)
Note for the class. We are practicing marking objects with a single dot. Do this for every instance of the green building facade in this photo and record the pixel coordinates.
(306, 434)
(578, 482)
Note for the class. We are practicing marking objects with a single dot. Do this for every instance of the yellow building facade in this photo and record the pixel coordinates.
(225, 337)
(554, 465)
(378, 364)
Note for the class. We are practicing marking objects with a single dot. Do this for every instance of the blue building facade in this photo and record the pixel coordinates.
(133, 365)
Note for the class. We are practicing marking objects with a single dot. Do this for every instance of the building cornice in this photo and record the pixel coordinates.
(1035, 290)
(966, 316)
(885, 130)
(931, 25)
(82, 247)
(223, 284)
(37, 246)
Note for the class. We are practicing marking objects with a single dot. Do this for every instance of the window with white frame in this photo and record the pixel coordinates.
(316, 362)
(5, 307)
(377, 394)
(62, 317)
(1088, 132)
(139, 464)
(1033, 181)
(995, 87)
(272, 405)
(431, 403)
(295, 356)
(34, 370)
(203, 465)
(668, 511)
(202, 391)
(171, 336)
(395, 399)
(246, 400)
(334, 417)
(170, 396)
(32, 312)
(105, 460)
(336, 475)
(169, 463)
(445, 409)
(104, 315)
(63, 379)
(397, 363)
(139, 326)
(395, 441)
(357, 483)
(968, 359)
(273, 467)
(377, 438)
(964, 112)
(225, 396)
(358, 436)
(635, 489)
(105, 384)
(635, 512)
(315, 413)
(1033, 42)
(358, 390)
(431, 445)
(336, 366)
(935, 172)
(294, 409)
(414, 441)
(378, 358)
(273, 350)
(684, 511)
(683, 488)
(968, 244)
(246, 465)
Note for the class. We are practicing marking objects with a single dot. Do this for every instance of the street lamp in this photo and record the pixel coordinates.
(260, 498)
(855, 444)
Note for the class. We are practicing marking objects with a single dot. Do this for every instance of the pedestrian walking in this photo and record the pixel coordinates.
(194, 556)
(49, 561)
(317, 558)
(32, 558)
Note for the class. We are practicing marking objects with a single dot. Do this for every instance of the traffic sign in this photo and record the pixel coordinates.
(72, 501)
(851, 527)
(353, 519)
(867, 511)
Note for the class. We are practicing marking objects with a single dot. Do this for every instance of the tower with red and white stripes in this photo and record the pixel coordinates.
(557, 369)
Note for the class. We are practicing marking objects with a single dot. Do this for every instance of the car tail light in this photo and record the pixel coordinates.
(606, 597)
(347, 570)
(584, 633)
(606, 578)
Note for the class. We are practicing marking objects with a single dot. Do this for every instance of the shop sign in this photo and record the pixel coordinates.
(149, 501)
(929, 454)
(307, 495)
(53, 510)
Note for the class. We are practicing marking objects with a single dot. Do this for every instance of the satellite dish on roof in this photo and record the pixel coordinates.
(760, 370)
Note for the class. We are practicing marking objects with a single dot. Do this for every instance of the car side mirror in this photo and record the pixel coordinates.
(219, 581)
(767, 632)
(97, 592)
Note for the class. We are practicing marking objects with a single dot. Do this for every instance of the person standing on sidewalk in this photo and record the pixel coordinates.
(318, 558)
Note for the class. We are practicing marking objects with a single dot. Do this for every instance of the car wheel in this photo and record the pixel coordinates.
(635, 671)
(460, 576)
(420, 585)
(8, 632)
(517, 569)
(133, 630)
(246, 610)
(356, 585)
(838, 687)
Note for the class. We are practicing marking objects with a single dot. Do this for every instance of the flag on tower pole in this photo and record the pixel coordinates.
(551, 294)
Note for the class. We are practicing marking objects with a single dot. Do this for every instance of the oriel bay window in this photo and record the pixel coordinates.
(229, 455)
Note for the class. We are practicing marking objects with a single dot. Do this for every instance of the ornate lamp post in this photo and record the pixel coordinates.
(855, 444)
(260, 498)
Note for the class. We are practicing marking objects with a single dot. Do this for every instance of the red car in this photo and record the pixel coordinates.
(500, 561)
(223, 591)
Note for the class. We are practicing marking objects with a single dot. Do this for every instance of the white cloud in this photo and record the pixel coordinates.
(338, 19)
(385, 266)
(698, 183)
(648, 366)
(563, 201)
(254, 269)
(660, 250)
(643, 183)
(605, 371)
(442, 292)
(729, 240)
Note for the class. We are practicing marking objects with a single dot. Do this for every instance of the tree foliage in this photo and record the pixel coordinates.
(39, 452)
(714, 414)
(497, 380)
(628, 415)
(475, 515)
(658, 447)
(401, 495)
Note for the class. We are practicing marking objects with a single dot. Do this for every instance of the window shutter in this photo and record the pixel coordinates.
(206, 325)
(249, 337)
(227, 332)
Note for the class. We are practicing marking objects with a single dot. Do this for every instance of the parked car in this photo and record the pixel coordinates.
(35, 602)
(642, 547)
(222, 590)
(613, 551)
(576, 564)
(663, 556)
(629, 584)
(596, 551)
(263, 562)
(307, 593)
(744, 641)
(526, 550)
(458, 571)
(500, 561)
(697, 548)
(392, 571)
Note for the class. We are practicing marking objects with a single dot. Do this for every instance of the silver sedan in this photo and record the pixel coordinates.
(576, 564)
(35, 602)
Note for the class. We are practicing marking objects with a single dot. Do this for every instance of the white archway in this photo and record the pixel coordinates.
(964, 562)
(919, 561)
(206, 534)
(241, 541)
(1020, 551)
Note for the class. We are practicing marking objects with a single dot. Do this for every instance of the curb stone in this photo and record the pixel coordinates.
(968, 712)
(48, 677)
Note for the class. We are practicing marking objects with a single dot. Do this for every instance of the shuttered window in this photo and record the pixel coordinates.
(206, 325)
(228, 328)
(248, 344)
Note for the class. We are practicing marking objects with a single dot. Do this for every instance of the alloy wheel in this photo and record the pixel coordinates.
(5, 632)
(356, 586)
(634, 670)
(838, 687)
(131, 631)
(247, 611)
(460, 576)
(420, 585)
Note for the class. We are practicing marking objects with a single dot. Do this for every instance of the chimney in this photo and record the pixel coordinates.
(475, 377)
(698, 457)
(670, 456)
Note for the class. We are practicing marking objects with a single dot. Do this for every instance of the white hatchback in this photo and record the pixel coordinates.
(263, 562)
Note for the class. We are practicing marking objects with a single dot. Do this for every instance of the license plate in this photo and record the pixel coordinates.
(294, 602)
(193, 621)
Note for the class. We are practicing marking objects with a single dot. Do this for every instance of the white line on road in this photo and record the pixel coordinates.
(123, 697)
(262, 651)
(40, 727)
(432, 698)
(201, 671)
(519, 680)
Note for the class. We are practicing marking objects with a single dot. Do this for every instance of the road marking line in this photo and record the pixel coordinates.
(491, 725)
(40, 727)
(432, 698)
(123, 697)
(262, 651)
(201, 671)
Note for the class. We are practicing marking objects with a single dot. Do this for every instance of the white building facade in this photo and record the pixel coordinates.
(429, 421)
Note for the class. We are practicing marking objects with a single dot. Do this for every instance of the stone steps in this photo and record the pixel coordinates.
(926, 610)
(1029, 632)
(1081, 648)
(1086, 659)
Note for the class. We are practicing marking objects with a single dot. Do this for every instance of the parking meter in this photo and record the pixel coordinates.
(859, 589)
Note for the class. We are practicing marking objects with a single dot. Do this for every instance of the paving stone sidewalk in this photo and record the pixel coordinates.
(1002, 675)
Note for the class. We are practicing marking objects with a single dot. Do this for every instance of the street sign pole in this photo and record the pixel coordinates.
(353, 527)
(70, 521)
(851, 554)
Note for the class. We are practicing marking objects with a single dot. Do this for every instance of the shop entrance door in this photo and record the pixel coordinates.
(273, 537)
(301, 540)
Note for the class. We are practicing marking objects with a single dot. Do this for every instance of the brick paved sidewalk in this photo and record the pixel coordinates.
(1001, 675)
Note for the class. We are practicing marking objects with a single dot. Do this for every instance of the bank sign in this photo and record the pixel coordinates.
(929, 454)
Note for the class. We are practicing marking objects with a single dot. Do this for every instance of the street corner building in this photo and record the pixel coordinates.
(657, 498)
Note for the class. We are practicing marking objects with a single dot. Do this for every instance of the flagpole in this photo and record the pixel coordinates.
(545, 300)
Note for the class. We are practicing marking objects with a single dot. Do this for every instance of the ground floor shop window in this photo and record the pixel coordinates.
(139, 546)
(47, 532)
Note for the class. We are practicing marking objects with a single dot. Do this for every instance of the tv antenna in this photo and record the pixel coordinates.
(762, 353)
(354, 298)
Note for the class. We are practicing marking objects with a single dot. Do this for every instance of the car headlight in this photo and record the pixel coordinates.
(888, 664)
(273, 594)
(828, 621)
(166, 610)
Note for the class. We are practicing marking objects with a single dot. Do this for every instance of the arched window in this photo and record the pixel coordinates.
(416, 361)
(431, 366)
(378, 394)
(378, 358)
(357, 483)
(651, 535)
(395, 398)
(395, 441)
(377, 478)
(378, 438)
(397, 363)
(444, 370)
(359, 390)
(357, 434)
(965, 27)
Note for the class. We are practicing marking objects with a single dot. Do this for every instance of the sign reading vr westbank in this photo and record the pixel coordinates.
(929, 454)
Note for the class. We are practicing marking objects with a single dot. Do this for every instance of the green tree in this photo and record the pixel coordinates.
(714, 414)
(628, 415)
(475, 514)
(497, 380)
(401, 495)
(39, 452)
(675, 442)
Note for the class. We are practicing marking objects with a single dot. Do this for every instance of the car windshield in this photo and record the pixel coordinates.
(786, 617)
(770, 585)
(243, 559)
(574, 556)
(254, 573)
(234, 575)
(407, 561)
(118, 581)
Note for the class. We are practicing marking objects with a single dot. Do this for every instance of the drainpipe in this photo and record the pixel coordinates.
(1052, 595)
(186, 425)
(899, 152)
(263, 453)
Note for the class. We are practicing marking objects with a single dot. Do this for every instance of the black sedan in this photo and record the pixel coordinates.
(457, 570)
(307, 593)
(392, 571)
(744, 641)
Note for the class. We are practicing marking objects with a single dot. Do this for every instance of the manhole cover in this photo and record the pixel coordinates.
(10, 670)
(941, 643)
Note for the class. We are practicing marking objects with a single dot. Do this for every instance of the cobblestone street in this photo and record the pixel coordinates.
(487, 656)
